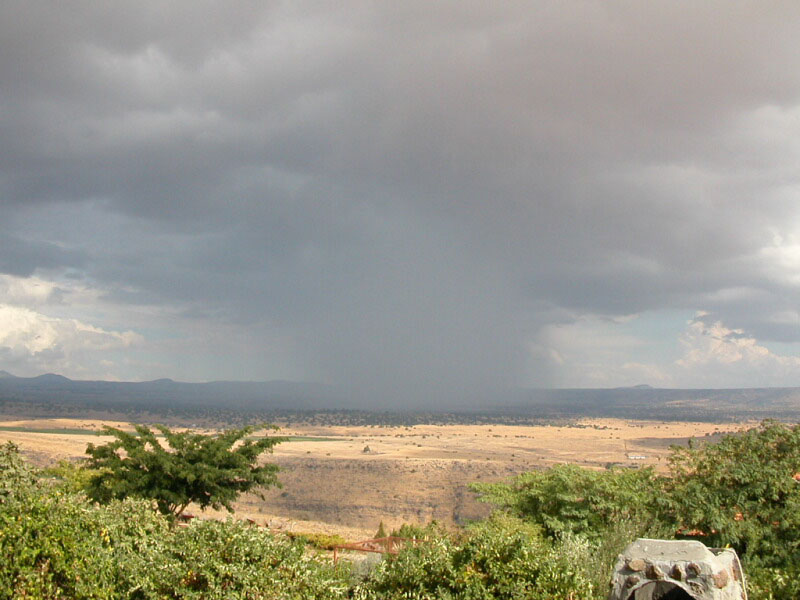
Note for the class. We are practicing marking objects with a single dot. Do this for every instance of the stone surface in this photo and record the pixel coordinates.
(636, 564)
(655, 572)
(672, 550)
(649, 569)
(720, 579)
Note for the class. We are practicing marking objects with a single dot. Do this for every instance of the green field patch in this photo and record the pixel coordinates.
(62, 431)
(76, 431)
(300, 438)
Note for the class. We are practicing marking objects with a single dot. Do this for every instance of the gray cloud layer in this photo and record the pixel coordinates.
(405, 193)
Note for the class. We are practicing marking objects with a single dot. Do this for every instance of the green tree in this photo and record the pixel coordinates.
(568, 499)
(56, 544)
(73, 476)
(381, 533)
(501, 558)
(16, 475)
(210, 470)
(742, 492)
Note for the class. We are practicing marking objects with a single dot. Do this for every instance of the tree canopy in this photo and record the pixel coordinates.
(208, 469)
(571, 499)
(742, 491)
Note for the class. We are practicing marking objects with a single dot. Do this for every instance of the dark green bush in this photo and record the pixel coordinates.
(16, 475)
(774, 582)
(320, 541)
(741, 492)
(58, 545)
(568, 499)
(501, 558)
(411, 531)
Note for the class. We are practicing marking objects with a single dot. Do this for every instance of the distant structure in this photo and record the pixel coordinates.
(677, 570)
(633, 456)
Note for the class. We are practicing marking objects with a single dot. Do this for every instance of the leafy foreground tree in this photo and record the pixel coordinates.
(54, 543)
(500, 558)
(63, 546)
(744, 492)
(15, 473)
(210, 470)
(568, 499)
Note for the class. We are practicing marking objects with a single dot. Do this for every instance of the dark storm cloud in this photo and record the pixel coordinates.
(407, 191)
(22, 257)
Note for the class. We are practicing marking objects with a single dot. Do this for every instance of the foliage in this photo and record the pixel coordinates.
(381, 532)
(568, 499)
(502, 558)
(598, 563)
(71, 475)
(742, 492)
(58, 547)
(421, 571)
(211, 470)
(556, 534)
(232, 560)
(321, 541)
(65, 547)
(739, 492)
(765, 583)
(15, 474)
(411, 531)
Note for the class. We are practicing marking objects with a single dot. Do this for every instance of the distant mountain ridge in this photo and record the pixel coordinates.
(638, 402)
(167, 393)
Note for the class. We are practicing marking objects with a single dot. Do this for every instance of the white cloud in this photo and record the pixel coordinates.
(782, 260)
(33, 342)
(718, 356)
(715, 343)
(26, 290)
(600, 352)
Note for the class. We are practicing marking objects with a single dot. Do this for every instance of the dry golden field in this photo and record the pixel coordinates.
(359, 476)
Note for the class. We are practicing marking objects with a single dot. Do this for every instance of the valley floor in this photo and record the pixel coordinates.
(347, 479)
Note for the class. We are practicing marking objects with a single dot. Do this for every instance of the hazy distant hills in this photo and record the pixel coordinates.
(637, 402)
(645, 402)
(166, 393)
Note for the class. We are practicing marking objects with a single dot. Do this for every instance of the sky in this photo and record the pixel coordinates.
(416, 200)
